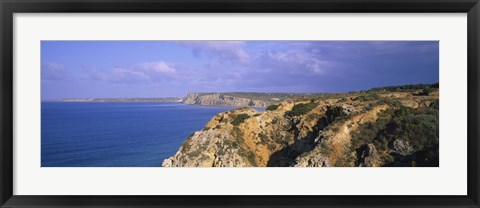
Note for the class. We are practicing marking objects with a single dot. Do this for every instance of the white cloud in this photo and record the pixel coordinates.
(160, 67)
(294, 61)
(222, 50)
(147, 71)
(128, 75)
(53, 71)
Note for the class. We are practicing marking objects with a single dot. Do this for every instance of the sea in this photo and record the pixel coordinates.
(117, 134)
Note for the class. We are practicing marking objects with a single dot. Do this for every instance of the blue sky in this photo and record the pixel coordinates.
(84, 69)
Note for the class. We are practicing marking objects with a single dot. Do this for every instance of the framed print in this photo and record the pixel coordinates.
(246, 104)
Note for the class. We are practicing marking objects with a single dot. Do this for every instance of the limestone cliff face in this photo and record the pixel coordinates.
(319, 132)
(223, 144)
(336, 139)
(218, 99)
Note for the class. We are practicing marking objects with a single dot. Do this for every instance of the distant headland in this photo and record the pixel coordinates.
(238, 99)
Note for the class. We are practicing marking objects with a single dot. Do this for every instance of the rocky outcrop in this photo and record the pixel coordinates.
(224, 143)
(334, 142)
(402, 147)
(217, 99)
(208, 148)
(322, 132)
(370, 157)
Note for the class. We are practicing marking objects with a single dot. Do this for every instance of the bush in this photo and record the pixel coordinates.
(263, 137)
(224, 120)
(274, 121)
(272, 107)
(195, 153)
(235, 144)
(435, 104)
(237, 134)
(301, 109)
(186, 145)
(418, 127)
(368, 107)
(249, 155)
(390, 102)
(425, 91)
(370, 96)
(240, 118)
(404, 87)
(403, 111)
(251, 158)
(343, 99)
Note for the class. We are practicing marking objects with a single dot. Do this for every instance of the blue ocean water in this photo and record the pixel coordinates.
(117, 134)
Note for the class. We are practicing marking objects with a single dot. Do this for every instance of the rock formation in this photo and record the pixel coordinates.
(218, 99)
(346, 130)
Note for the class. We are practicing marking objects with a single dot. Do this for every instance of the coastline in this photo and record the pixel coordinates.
(60, 101)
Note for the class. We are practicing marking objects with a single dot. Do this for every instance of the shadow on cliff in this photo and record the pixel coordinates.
(287, 155)
(423, 158)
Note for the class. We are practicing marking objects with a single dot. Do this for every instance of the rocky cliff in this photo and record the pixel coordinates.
(217, 99)
(366, 129)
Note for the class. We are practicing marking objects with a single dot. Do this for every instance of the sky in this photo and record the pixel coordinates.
(109, 69)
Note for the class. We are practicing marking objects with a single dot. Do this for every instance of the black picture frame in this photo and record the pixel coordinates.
(9, 7)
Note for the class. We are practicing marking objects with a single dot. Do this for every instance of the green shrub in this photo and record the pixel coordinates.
(403, 111)
(195, 153)
(186, 146)
(248, 154)
(324, 148)
(272, 107)
(240, 118)
(419, 127)
(390, 102)
(251, 158)
(263, 137)
(224, 120)
(343, 99)
(425, 91)
(404, 87)
(237, 134)
(370, 96)
(435, 104)
(235, 144)
(274, 121)
(301, 109)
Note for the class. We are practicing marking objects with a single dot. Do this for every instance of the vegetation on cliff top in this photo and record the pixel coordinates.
(405, 136)
(301, 109)
(394, 126)
(272, 107)
(402, 88)
(240, 118)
